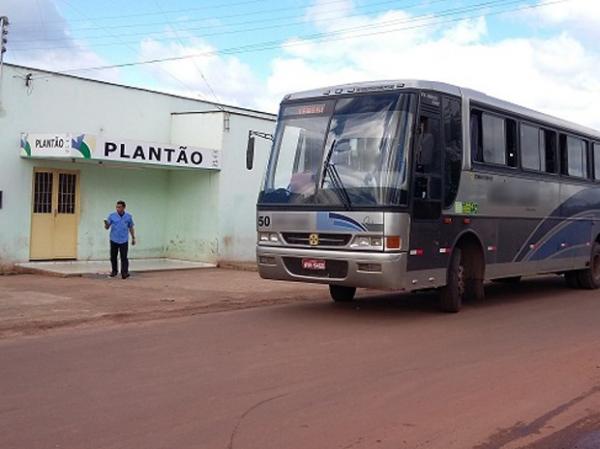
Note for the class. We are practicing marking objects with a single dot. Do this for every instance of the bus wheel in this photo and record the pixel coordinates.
(340, 293)
(590, 277)
(572, 279)
(452, 293)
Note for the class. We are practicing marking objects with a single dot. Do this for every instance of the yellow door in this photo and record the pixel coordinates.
(55, 214)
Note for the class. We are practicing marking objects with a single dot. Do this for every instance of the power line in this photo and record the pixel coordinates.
(125, 16)
(234, 31)
(227, 16)
(132, 49)
(322, 37)
(418, 18)
(245, 22)
(193, 61)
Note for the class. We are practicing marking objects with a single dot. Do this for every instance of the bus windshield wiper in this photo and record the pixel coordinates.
(330, 169)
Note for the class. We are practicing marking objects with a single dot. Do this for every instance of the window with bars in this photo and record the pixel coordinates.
(66, 193)
(42, 193)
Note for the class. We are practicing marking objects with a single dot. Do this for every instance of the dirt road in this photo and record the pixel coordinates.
(521, 370)
(33, 304)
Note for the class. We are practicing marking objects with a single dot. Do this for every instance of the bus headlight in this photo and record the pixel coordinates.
(268, 237)
(367, 242)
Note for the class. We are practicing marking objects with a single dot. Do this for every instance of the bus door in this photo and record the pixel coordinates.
(427, 185)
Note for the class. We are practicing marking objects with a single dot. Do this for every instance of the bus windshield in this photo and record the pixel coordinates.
(349, 152)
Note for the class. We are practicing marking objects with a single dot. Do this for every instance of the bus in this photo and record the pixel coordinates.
(416, 185)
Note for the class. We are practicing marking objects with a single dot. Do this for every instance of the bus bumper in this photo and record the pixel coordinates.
(376, 270)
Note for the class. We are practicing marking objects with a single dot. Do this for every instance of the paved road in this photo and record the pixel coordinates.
(520, 370)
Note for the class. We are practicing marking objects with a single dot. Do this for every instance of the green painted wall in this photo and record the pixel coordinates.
(144, 190)
(175, 211)
(191, 215)
(187, 214)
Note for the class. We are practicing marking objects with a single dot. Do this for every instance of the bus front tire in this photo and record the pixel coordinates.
(341, 293)
(589, 278)
(452, 293)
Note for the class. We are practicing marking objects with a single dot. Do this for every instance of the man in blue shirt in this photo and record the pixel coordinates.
(121, 225)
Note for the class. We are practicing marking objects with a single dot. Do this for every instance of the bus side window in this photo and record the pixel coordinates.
(511, 143)
(428, 166)
(494, 139)
(597, 161)
(550, 149)
(452, 119)
(476, 140)
(573, 156)
(533, 156)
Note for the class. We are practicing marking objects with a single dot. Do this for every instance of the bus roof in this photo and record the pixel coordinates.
(468, 94)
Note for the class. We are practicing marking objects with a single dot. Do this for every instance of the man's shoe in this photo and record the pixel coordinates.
(113, 274)
(125, 275)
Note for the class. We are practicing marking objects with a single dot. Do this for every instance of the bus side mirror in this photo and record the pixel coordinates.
(250, 153)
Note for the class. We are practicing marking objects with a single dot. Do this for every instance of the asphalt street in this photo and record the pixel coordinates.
(520, 370)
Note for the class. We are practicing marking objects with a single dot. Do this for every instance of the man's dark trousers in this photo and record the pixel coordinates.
(119, 248)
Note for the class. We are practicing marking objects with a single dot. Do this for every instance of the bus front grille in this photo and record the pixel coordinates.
(303, 238)
(334, 269)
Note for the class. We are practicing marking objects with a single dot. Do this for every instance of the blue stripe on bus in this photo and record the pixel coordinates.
(577, 204)
(577, 233)
(332, 221)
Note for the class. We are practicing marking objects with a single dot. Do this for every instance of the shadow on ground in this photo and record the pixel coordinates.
(373, 303)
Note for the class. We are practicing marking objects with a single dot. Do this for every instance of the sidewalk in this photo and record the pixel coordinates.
(31, 303)
(83, 267)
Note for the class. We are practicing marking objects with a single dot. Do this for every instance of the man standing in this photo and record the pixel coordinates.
(121, 225)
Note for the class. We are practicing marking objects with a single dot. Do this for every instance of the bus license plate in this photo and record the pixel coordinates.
(313, 264)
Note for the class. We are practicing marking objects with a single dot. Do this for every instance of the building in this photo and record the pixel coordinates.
(71, 147)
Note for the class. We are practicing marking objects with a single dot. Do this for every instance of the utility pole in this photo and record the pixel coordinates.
(3, 41)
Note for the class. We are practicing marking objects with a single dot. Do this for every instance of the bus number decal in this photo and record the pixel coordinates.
(264, 221)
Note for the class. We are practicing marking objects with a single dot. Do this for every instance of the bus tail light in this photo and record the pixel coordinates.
(417, 252)
(393, 242)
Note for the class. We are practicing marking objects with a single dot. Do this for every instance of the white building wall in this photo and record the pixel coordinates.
(239, 188)
(235, 211)
(55, 103)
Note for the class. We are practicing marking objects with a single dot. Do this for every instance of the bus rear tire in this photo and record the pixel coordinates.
(452, 293)
(589, 278)
(341, 293)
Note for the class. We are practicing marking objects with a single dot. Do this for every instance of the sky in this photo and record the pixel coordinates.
(542, 54)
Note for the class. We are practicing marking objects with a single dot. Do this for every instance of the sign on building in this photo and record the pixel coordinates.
(91, 147)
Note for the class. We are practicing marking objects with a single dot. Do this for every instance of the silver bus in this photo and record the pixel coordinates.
(410, 185)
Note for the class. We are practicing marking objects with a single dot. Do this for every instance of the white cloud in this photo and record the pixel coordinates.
(35, 29)
(557, 75)
(580, 16)
(325, 9)
(467, 31)
(232, 81)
